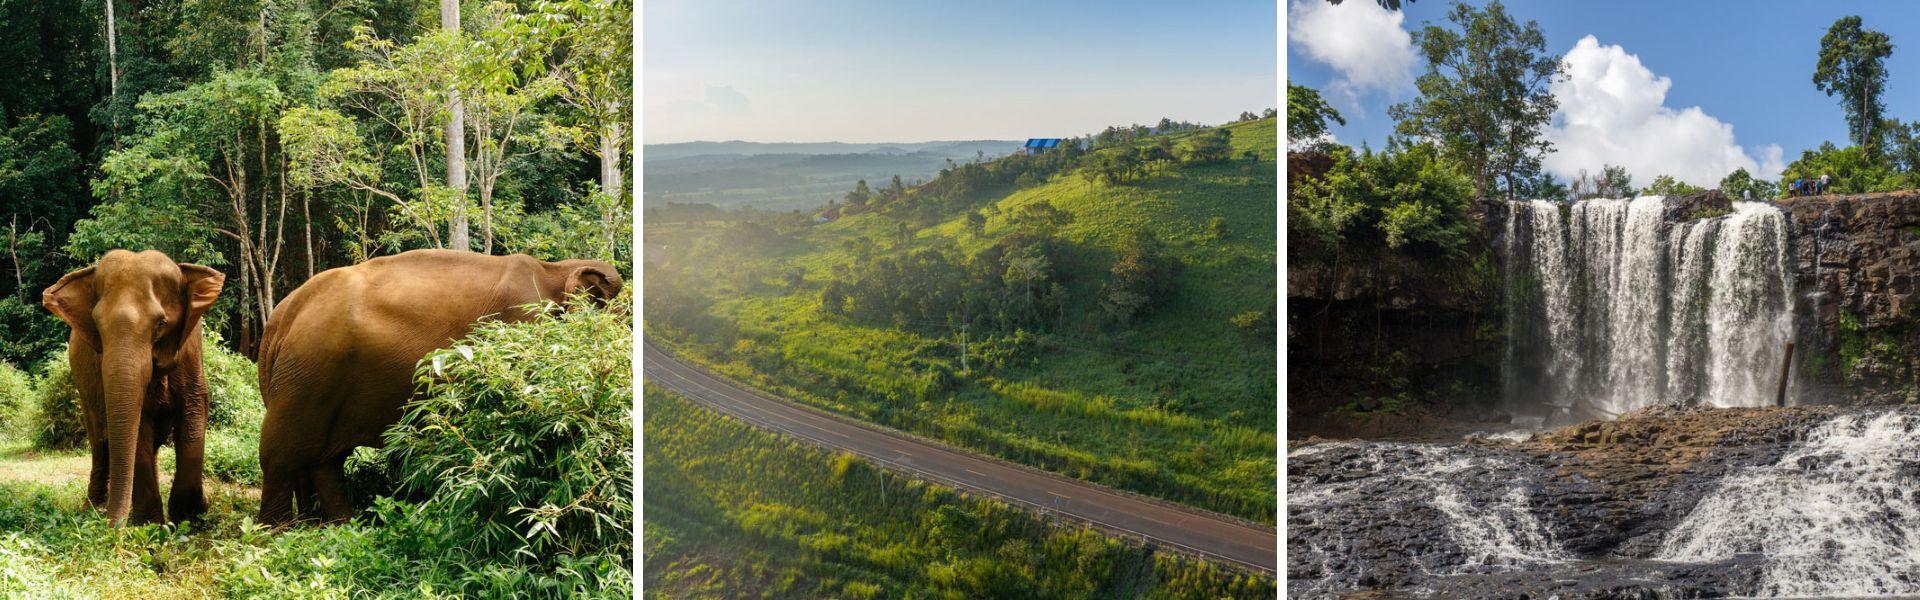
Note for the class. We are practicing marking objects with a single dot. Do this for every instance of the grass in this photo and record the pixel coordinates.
(1179, 404)
(515, 460)
(54, 547)
(736, 512)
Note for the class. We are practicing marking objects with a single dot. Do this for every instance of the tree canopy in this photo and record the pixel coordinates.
(1484, 96)
(1852, 65)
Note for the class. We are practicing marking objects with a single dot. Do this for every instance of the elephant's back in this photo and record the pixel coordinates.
(386, 313)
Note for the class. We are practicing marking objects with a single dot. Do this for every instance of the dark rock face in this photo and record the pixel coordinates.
(1574, 513)
(1696, 205)
(1856, 259)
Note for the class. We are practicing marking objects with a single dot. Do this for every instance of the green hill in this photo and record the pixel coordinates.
(1117, 316)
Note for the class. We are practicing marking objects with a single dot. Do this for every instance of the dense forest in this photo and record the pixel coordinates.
(274, 139)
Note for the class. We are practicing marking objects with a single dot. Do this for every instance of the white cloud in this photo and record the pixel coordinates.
(1613, 112)
(1359, 39)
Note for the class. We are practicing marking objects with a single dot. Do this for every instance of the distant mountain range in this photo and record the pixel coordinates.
(794, 175)
(739, 148)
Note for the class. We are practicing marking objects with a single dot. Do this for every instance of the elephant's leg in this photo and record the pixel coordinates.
(188, 499)
(97, 480)
(306, 498)
(146, 483)
(277, 484)
(330, 478)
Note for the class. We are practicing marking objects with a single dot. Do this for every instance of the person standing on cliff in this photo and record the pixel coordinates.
(1825, 180)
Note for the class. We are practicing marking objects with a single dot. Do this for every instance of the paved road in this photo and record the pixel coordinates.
(1189, 529)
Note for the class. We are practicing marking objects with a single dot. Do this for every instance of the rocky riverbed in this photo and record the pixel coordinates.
(1661, 503)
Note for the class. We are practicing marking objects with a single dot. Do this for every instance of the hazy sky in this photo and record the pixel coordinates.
(1689, 89)
(908, 70)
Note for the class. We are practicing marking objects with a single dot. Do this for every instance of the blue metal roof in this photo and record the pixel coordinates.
(1043, 142)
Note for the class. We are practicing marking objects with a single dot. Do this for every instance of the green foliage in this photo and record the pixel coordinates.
(521, 442)
(1740, 185)
(733, 511)
(1854, 170)
(1402, 200)
(16, 394)
(1612, 182)
(1212, 146)
(1484, 97)
(1141, 278)
(1541, 186)
(1853, 66)
(1307, 115)
(1666, 185)
(32, 331)
(55, 423)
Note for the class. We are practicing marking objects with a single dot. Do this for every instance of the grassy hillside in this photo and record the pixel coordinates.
(1173, 399)
(734, 512)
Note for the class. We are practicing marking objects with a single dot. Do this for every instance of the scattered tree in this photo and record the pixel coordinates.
(1853, 66)
(1484, 97)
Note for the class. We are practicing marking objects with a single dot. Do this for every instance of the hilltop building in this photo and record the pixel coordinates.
(1041, 145)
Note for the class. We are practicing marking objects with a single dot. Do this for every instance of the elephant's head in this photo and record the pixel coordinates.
(137, 310)
(598, 280)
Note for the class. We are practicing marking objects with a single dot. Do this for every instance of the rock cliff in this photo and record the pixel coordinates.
(1855, 257)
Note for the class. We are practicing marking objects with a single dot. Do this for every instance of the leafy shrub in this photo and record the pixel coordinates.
(1405, 200)
(234, 456)
(16, 392)
(56, 423)
(234, 386)
(521, 442)
(1853, 169)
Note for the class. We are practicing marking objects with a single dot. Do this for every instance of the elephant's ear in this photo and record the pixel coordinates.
(595, 281)
(72, 300)
(203, 287)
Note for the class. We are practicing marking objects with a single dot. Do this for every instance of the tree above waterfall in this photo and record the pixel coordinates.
(1484, 97)
(1853, 65)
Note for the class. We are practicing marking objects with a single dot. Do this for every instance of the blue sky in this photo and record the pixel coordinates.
(871, 70)
(1744, 65)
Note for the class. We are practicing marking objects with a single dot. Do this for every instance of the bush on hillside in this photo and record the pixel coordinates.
(521, 443)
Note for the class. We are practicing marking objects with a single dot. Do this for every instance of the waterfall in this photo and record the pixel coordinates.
(1837, 516)
(1619, 307)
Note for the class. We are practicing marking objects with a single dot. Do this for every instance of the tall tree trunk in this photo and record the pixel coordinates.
(113, 82)
(457, 234)
(306, 221)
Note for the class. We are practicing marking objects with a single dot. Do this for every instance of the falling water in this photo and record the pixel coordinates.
(1626, 309)
(1837, 516)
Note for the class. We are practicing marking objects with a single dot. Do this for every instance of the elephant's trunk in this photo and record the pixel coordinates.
(126, 368)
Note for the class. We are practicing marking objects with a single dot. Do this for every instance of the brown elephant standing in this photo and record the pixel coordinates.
(338, 355)
(137, 364)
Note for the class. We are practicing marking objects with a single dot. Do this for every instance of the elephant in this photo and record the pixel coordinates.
(338, 356)
(137, 362)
